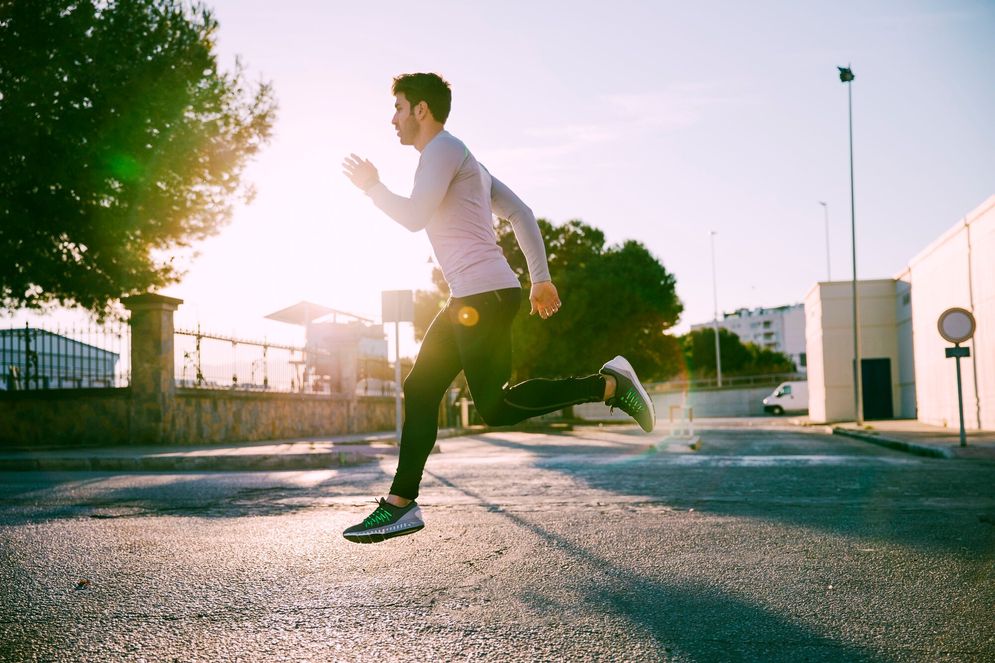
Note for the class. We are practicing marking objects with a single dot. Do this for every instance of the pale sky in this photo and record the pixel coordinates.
(655, 121)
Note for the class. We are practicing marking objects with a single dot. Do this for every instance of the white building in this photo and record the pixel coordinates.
(887, 372)
(780, 329)
(340, 354)
(902, 353)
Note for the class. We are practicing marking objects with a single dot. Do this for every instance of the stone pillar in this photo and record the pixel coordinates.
(153, 388)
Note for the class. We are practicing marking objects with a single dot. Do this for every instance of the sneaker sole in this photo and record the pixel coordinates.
(380, 537)
(629, 373)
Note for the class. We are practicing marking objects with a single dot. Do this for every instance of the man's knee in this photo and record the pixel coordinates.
(417, 390)
(412, 387)
(495, 413)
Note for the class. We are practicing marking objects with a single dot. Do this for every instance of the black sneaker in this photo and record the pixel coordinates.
(630, 397)
(386, 521)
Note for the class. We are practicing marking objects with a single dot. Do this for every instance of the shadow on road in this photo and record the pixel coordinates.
(190, 494)
(824, 483)
(694, 620)
(820, 482)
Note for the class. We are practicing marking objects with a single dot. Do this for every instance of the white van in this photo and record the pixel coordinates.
(789, 397)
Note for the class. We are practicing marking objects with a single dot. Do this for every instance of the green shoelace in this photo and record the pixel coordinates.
(379, 517)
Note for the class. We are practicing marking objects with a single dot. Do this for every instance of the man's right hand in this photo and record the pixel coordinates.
(545, 300)
(362, 173)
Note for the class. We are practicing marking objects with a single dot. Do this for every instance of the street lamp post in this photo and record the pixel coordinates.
(715, 319)
(846, 76)
(829, 269)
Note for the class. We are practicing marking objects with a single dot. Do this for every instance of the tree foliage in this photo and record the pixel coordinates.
(738, 358)
(617, 299)
(122, 140)
(428, 304)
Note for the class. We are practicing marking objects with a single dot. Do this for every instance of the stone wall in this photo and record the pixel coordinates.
(154, 411)
(103, 417)
(201, 416)
(83, 417)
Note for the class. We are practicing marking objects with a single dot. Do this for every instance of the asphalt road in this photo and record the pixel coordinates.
(768, 544)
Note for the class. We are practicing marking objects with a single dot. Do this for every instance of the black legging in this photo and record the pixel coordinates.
(473, 334)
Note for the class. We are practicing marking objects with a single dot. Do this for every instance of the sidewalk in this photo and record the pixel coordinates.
(346, 450)
(922, 439)
(300, 454)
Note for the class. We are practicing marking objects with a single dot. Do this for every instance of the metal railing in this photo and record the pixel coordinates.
(732, 382)
(214, 361)
(79, 357)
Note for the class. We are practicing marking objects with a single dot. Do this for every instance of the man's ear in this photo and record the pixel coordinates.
(421, 110)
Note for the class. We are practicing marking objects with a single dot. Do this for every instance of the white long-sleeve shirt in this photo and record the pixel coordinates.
(453, 200)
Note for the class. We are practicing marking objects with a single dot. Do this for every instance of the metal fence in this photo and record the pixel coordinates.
(732, 381)
(79, 357)
(213, 361)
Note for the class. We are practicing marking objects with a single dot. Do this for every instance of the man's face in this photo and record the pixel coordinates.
(404, 121)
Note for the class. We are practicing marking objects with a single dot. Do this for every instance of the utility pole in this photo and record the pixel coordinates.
(829, 269)
(846, 76)
(715, 319)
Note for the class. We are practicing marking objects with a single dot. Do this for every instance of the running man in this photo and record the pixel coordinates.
(454, 199)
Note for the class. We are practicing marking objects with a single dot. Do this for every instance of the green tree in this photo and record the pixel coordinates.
(428, 303)
(737, 358)
(122, 141)
(764, 361)
(616, 299)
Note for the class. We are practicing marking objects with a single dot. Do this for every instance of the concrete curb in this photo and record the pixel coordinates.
(892, 443)
(181, 463)
(354, 451)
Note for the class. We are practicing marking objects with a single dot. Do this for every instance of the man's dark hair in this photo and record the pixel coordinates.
(430, 88)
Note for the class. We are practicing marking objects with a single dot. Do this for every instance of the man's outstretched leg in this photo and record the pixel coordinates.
(485, 354)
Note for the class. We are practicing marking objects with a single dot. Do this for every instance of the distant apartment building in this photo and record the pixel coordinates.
(781, 329)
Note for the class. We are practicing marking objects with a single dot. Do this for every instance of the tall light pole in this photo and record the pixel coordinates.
(829, 269)
(715, 319)
(846, 76)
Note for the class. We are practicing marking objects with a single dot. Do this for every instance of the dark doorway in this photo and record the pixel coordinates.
(875, 375)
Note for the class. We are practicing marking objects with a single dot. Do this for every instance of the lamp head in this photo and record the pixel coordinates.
(846, 74)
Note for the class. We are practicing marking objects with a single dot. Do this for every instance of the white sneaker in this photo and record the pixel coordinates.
(630, 397)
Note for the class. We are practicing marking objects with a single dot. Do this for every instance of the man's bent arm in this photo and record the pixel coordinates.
(507, 205)
(435, 173)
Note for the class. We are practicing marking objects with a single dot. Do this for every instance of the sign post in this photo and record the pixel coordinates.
(397, 306)
(957, 325)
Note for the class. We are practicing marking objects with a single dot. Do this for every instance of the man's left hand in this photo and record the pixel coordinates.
(545, 300)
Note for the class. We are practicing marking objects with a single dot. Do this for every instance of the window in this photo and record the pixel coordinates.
(804, 359)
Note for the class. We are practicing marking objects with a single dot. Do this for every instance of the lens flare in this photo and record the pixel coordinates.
(468, 316)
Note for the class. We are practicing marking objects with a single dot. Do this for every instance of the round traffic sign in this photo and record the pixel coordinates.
(956, 325)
